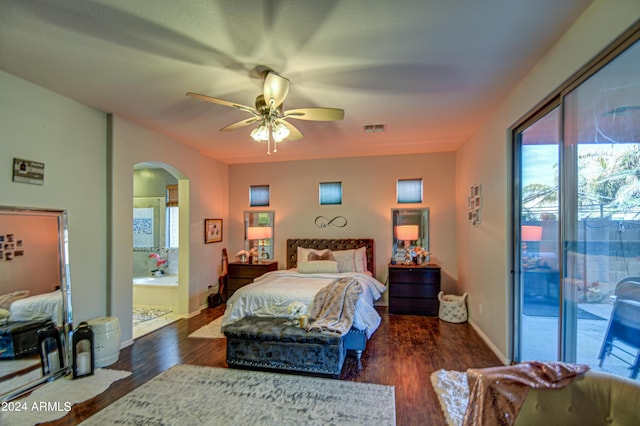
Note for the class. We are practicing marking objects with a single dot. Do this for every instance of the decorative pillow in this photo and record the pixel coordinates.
(318, 267)
(320, 256)
(303, 253)
(346, 260)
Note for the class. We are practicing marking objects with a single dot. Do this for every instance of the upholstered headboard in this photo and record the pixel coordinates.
(320, 244)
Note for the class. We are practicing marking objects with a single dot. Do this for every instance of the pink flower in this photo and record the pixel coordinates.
(159, 261)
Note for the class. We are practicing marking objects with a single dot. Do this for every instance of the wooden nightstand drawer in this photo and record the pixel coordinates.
(427, 307)
(241, 274)
(414, 290)
(415, 275)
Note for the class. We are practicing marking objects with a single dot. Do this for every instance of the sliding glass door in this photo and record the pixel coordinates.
(577, 233)
(539, 288)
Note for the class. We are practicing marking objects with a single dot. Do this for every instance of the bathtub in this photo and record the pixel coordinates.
(156, 291)
(164, 281)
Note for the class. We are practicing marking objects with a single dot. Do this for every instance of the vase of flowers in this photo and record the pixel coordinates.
(242, 255)
(422, 256)
(161, 264)
(297, 312)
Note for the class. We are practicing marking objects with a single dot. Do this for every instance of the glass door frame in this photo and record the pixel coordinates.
(567, 228)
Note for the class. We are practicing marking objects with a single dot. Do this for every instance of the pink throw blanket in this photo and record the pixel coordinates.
(496, 394)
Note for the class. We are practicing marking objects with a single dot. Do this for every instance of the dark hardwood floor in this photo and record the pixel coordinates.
(403, 352)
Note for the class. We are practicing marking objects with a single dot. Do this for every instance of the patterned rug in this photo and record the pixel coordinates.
(142, 314)
(453, 393)
(210, 331)
(192, 395)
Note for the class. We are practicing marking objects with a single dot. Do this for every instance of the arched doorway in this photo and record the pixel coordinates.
(160, 246)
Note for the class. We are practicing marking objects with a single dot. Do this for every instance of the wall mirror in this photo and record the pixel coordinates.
(258, 233)
(410, 230)
(35, 299)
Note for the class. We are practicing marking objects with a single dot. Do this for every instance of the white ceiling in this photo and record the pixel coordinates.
(430, 70)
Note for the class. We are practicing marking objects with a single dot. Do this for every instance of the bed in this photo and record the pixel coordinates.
(259, 311)
(21, 306)
(22, 316)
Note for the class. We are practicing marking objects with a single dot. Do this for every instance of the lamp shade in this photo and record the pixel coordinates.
(259, 232)
(531, 233)
(407, 232)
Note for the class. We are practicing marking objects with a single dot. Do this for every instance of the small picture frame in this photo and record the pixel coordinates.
(212, 231)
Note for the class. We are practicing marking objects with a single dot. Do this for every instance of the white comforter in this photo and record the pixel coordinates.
(270, 295)
(38, 307)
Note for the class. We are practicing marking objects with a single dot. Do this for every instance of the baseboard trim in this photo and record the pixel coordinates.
(489, 343)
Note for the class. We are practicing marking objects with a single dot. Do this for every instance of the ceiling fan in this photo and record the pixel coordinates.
(269, 112)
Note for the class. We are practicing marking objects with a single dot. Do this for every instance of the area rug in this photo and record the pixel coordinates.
(55, 399)
(453, 393)
(8, 366)
(16, 382)
(194, 395)
(142, 314)
(209, 331)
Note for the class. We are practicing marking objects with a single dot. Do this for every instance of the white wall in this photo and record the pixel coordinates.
(69, 138)
(207, 182)
(369, 194)
(484, 159)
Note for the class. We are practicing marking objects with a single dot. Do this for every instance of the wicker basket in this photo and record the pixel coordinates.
(453, 308)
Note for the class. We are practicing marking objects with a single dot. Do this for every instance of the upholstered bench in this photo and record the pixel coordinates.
(275, 343)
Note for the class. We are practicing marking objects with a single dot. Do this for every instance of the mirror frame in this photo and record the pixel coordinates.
(247, 223)
(65, 287)
(419, 216)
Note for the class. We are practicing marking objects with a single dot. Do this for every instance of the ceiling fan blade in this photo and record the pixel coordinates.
(240, 124)
(316, 114)
(294, 133)
(222, 102)
(276, 87)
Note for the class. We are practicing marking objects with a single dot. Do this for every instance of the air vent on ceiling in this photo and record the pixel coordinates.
(373, 128)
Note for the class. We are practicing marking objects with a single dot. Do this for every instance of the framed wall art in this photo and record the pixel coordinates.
(212, 231)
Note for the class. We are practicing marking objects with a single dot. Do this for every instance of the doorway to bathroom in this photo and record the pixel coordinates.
(156, 248)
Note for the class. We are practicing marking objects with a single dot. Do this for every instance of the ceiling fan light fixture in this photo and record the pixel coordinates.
(280, 132)
(260, 133)
(269, 112)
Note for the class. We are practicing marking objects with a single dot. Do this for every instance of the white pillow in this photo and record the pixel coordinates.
(346, 260)
(318, 267)
(360, 258)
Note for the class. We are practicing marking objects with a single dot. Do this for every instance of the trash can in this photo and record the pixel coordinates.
(106, 340)
(452, 308)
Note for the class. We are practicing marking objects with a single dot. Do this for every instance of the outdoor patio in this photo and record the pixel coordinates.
(593, 318)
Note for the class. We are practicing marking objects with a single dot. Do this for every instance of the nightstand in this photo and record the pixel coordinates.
(413, 289)
(241, 274)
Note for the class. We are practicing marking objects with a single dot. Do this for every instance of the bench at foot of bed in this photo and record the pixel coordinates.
(274, 343)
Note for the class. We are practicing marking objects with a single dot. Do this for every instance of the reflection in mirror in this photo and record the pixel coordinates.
(258, 233)
(35, 298)
(410, 235)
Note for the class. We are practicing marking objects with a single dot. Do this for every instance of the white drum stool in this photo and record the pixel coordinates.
(106, 340)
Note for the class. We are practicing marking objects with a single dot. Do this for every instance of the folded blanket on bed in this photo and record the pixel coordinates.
(496, 394)
(334, 306)
(7, 299)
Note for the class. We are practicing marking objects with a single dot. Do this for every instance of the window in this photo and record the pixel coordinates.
(330, 193)
(409, 191)
(172, 222)
(259, 195)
